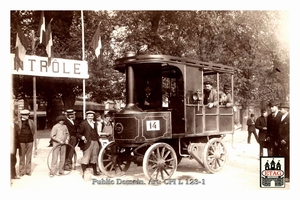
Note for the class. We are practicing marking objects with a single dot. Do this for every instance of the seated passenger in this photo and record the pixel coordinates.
(225, 97)
(210, 95)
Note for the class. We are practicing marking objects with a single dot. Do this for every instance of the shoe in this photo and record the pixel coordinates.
(97, 173)
(21, 175)
(51, 175)
(67, 169)
(15, 177)
(60, 173)
(28, 174)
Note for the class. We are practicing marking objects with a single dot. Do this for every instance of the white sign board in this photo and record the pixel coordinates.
(153, 125)
(38, 66)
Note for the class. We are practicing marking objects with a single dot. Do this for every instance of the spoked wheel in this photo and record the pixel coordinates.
(214, 155)
(160, 162)
(112, 160)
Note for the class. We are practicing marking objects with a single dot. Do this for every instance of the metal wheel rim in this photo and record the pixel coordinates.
(215, 155)
(109, 163)
(160, 162)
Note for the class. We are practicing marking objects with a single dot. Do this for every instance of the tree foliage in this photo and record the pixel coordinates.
(254, 42)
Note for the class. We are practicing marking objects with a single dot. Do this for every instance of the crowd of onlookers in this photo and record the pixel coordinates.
(274, 132)
(65, 135)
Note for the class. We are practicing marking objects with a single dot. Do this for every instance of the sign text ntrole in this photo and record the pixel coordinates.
(38, 66)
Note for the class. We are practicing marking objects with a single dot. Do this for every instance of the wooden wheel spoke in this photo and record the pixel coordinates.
(168, 153)
(158, 162)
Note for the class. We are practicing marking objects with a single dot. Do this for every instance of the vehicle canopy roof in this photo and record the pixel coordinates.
(207, 67)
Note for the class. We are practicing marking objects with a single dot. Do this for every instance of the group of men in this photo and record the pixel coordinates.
(274, 132)
(86, 135)
(211, 95)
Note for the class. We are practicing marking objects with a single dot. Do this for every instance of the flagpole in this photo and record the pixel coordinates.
(83, 81)
(34, 99)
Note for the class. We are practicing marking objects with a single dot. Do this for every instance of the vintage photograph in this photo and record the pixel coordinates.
(150, 100)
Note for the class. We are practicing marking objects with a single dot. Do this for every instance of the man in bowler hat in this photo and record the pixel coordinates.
(261, 125)
(272, 132)
(284, 137)
(72, 128)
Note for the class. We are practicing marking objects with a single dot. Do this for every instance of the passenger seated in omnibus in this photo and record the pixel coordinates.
(225, 96)
(210, 97)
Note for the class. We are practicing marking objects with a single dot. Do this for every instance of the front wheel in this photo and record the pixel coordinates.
(159, 162)
(112, 160)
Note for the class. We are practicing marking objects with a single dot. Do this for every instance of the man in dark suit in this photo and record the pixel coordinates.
(273, 123)
(72, 128)
(89, 142)
(284, 137)
(251, 128)
(149, 100)
(261, 125)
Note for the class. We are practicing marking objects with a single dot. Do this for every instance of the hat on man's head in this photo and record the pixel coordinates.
(227, 87)
(60, 118)
(107, 114)
(273, 103)
(70, 112)
(24, 112)
(263, 110)
(207, 83)
(90, 112)
(284, 105)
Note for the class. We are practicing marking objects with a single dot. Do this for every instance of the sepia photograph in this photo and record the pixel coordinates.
(139, 102)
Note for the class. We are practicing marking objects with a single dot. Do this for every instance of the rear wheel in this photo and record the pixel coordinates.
(160, 162)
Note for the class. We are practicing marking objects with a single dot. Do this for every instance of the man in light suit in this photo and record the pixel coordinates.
(284, 137)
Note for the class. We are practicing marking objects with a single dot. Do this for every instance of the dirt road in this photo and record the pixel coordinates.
(240, 173)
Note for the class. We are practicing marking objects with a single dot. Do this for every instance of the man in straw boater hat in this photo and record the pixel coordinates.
(72, 128)
(272, 129)
(25, 130)
(89, 142)
(284, 137)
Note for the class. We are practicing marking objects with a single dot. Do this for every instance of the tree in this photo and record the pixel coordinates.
(250, 41)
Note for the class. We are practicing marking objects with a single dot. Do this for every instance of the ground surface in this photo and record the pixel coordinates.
(241, 172)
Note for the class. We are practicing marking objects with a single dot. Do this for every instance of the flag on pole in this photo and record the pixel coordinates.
(48, 42)
(42, 28)
(96, 42)
(21, 44)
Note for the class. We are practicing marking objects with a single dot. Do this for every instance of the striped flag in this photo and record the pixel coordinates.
(96, 42)
(42, 28)
(48, 43)
(20, 52)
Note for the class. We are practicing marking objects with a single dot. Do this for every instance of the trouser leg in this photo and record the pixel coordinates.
(29, 147)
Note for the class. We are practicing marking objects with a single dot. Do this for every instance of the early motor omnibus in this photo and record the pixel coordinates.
(179, 126)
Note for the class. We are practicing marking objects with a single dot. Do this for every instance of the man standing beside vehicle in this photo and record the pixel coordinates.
(72, 128)
(89, 142)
